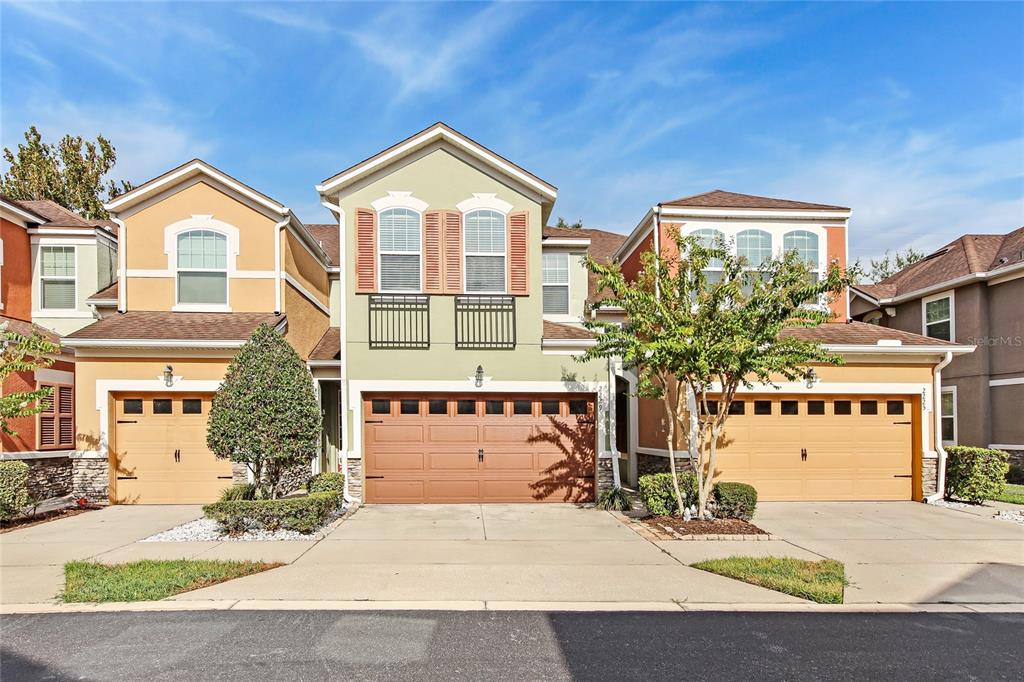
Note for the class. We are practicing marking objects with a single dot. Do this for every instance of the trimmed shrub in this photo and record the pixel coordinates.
(657, 495)
(1015, 474)
(239, 491)
(302, 514)
(327, 482)
(735, 500)
(13, 489)
(975, 474)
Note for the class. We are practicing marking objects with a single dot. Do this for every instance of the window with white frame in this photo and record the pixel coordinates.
(938, 317)
(755, 246)
(806, 245)
(202, 268)
(399, 246)
(57, 277)
(485, 244)
(710, 239)
(948, 416)
(555, 268)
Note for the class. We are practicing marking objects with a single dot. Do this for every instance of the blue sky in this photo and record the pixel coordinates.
(912, 114)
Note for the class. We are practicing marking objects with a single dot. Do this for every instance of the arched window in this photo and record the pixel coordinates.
(755, 246)
(806, 245)
(485, 243)
(711, 238)
(202, 263)
(400, 241)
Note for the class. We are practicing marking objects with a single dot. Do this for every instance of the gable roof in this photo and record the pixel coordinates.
(21, 210)
(862, 333)
(970, 256)
(328, 348)
(141, 325)
(602, 248)
(106, 295)
(48, 213)
(438, 131)
(329, 238)
(187, 170)
(719, 198)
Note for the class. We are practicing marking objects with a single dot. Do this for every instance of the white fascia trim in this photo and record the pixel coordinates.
(235, 274)
(425, 138)
(190, 169)
(399, 200)
(906, 350)
(201, 308)
(152, 343)
(62, 314)
(639, 233)
(122, 266)
(306, 293)
(568, 343)
(324, 363)
(953, 283)
(806, 214)
(1006, 382)
(58, 240)
(485, 201)
(35, 454)
(830, 388)
(1006, 446)
(559, 241)
(870, 299)
(83, 232)
(21, 213)
(102, 302)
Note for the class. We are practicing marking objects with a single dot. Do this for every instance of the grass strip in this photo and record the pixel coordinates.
(1014, 494)
(819, 581)
(149, 580)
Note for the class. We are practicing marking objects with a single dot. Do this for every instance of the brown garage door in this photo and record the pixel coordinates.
(448, 448)
(821, 447)
(160, 451)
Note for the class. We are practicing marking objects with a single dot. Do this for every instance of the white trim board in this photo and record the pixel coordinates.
(306, 294)
(1006, 382)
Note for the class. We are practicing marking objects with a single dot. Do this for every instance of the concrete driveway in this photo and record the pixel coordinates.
(493, 554)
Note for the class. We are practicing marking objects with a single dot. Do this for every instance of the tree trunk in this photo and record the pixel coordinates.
(671, 411)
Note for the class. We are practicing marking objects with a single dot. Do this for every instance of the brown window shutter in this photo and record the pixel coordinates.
(366, 250)
(66, 409)
(452, 252)
(518, 253)
(47, 419)
(432, 266)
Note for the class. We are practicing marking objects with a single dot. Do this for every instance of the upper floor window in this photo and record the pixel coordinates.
(755, 246)
(485, 244)
(711, 239)
(400, 245)
(57, 277)
(938, 316)
(806, 245)
(556, 283)
(202, 268)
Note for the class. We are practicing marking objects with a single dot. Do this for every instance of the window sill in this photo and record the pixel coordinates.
(201, 308)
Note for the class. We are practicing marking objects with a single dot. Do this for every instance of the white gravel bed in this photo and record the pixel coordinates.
(1013, 516)
(208, 530)
(949, 504)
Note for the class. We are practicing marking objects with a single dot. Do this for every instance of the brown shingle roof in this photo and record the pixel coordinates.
(554, 330)
(719, 198)
(21, 205)
(25, 328)
(329, 237)
(966, 255)
(138, 324)
(603, 245)
(58, 216)
(860, 333)
(105, 294)
(329, 346)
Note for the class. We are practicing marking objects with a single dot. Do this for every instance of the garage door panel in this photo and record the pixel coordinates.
(397, 433)
(396, 490)
(493, 433)
(453, 461)
(509, 461)
(397, 461)
(453, 433)
(453, 490)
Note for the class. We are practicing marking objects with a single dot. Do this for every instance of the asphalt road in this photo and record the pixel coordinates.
(322, 645)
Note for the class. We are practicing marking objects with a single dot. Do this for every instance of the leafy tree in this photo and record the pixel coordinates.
(886, 266)
(694, 340)
(572, 226)
(69, 173)
(266, 414)
(23, 353)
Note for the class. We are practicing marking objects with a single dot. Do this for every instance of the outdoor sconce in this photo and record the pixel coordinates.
(168, 376)
(479, 376)
(811, 378)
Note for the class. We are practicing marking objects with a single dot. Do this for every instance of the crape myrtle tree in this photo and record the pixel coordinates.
(23, 353)
(266, 414)
(693, 340)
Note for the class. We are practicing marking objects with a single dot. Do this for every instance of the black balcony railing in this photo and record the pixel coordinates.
(399, 322)
(485, 323)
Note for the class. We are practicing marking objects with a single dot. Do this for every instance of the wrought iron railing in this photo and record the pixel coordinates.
(399, 322)
(485, 323)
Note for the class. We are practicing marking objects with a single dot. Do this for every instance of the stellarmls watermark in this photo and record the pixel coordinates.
(1012, 341)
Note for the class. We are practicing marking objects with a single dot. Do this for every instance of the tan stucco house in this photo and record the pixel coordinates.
(440, 317)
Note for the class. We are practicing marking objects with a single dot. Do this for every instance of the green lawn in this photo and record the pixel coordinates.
(820, 581)
(1013, 493)
(87, 581)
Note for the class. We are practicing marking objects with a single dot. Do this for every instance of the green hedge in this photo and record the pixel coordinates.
(658, 496)
(735, 500)
(302, 514)
(975, 474)
(13, 489)
(327, 482)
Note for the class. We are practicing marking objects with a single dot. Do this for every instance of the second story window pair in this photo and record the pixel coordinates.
(756, 246)
(202, 276)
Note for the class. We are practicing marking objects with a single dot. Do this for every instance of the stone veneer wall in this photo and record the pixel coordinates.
(89, 479)
(49, 477)
(239, 473)
(929, 475)
(354, 474)
(605, 475)
(656, 464)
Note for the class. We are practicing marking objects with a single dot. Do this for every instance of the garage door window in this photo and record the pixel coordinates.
(522, 407)
(894, 407)
(191, 406)
(438, 407)
(762, 407)
(162, 406)
(737, 407)
(815, 407)
(467, 407)
(380, 406)
(869, 407)
(579, 406)
(133, 406)
(549, 407)
(410, 406)
(790, 407)
(842, 407)
(495, 407)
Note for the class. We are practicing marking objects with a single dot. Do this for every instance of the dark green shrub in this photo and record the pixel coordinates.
(327, 482)
(1015, 474)
(613, 499)
(658, 496)
(975, 474)
(302, 514)
(13, 489)
(239, 491)
(735, 500)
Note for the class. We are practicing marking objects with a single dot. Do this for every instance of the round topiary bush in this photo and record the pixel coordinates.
(975, 474)
(326, 482)
(735, 500)
(657, 495)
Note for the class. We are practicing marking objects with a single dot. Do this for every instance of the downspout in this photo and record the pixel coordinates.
(656, 230)
(612, 425)
(343, 392)
(122, 272)
(277, 262)
(940, 473)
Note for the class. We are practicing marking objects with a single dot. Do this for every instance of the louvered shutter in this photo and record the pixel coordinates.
(518, 248)
(452, 252)
(48, 418)
(366, 251)
(66, 416)
(432, 267)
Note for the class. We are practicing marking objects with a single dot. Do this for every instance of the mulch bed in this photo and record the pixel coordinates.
(44, 517)
(716, 527)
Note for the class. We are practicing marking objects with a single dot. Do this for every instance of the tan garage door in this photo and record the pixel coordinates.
(821, 448)
(161, 454)
(449, 448)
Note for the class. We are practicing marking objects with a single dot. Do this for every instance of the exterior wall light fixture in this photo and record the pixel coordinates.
(811, 378)
(168, 376)
(479, 376)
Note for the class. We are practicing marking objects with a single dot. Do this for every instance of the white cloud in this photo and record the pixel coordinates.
(286, 18)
